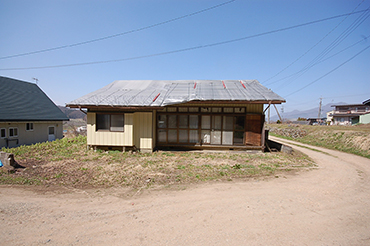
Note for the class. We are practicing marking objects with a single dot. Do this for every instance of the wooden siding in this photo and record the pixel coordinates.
(107, 138)
(254, 128)
(143, 131)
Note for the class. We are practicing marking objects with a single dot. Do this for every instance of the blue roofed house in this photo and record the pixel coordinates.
(27, 115)
(192, 114)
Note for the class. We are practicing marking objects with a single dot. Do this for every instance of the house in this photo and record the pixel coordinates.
(316, 121)
(27, 115)
(193, 114)
(350, 114)
(329, 117)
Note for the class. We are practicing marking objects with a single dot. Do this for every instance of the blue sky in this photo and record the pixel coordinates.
(275, 59)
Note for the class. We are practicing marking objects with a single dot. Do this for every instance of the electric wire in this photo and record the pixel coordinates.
(348, 47)
(326, 74)
(118, 34)
(187, 49)
(319, 58)
(322, 39)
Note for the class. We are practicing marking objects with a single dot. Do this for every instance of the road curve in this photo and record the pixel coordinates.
(326, 206)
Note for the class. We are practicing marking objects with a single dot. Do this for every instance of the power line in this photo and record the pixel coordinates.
(363, 94)
(319, 58)
(118, 34)
(322, 39)
(303, 69)
(328, 72)
(190, 48)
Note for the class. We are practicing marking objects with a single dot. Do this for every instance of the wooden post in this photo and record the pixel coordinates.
(278, 114)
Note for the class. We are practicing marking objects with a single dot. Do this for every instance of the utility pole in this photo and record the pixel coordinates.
(319, 116)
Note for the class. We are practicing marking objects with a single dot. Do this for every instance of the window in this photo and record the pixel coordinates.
(162, 121)
(228, 110)
(183, 109)
(202, 125)
(193, 109)
(13, 132)
(205, 110)
(102, 121)
(171, 109)
(2, 133)
(116, 123)
(239, 125)
(216, 110)
(239, 110)
(51, 130)
(110, 122)
(29, 126)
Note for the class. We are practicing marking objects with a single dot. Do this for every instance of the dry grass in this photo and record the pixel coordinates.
(67, 162)
(350, 139)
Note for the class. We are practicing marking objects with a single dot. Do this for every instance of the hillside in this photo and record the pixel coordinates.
(350, 139)
(309, 113)
(72, 113)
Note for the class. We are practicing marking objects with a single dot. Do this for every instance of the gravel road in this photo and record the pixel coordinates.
(326, 206)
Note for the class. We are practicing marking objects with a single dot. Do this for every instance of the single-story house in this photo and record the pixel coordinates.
(350, 114)
(27, 115)
(194, 114)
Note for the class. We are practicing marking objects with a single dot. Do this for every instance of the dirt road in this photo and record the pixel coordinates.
(326, 206)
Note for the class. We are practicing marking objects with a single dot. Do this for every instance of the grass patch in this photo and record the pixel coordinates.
(349, 139)
(68, 162)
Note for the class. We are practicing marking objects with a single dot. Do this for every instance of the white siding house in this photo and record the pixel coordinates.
(27, 115)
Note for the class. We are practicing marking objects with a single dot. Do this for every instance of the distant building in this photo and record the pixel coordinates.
(316, 121)
(329, 117)
(350, 114)
(27, 115)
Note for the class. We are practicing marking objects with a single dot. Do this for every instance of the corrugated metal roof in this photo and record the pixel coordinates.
(23, 101)
(159, 93)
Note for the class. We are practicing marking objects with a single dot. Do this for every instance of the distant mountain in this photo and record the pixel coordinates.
(72, 113)
(310, 113)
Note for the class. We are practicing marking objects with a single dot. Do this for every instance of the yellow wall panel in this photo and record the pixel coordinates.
(107, 138)
(143, 130)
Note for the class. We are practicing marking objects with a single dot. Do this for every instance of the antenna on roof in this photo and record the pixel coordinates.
(36, 80)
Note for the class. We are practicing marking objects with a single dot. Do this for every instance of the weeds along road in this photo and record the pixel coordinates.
(329, 205)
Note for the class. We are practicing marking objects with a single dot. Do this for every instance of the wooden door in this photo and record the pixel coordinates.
(254, 128)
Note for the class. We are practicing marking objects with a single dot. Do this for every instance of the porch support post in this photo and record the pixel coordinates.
(281, 120)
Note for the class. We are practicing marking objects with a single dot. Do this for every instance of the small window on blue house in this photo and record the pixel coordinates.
(29, 126)
(2, 133)
(13, 132)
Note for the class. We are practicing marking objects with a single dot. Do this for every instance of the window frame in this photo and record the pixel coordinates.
(165, 129)
(109, 129)
(3, 130)
(51, 127)
(15, 129)
(29, 127)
